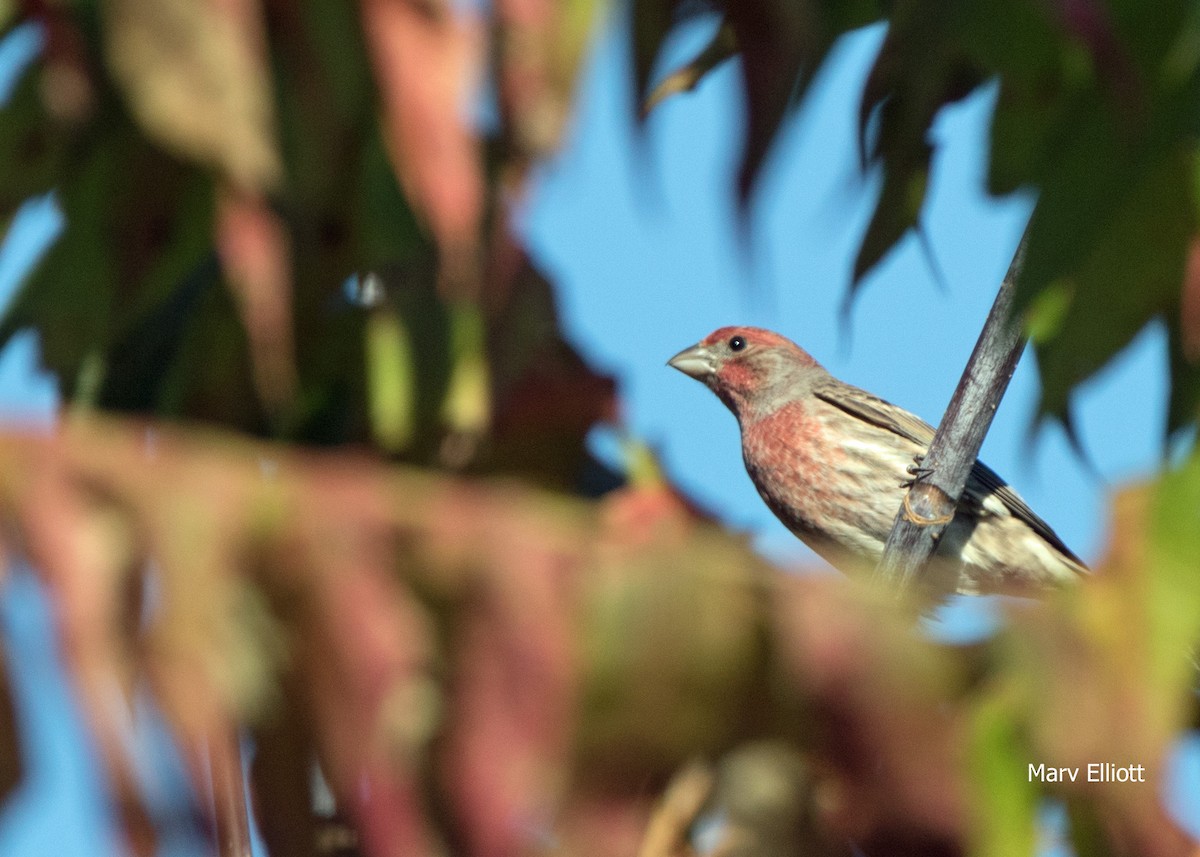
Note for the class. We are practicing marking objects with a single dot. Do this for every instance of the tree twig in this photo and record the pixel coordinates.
(931, 501)
(231, 817)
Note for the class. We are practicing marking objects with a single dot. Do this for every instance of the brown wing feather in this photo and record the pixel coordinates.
(982, 481)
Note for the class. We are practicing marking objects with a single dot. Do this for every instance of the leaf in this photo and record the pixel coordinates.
(896, 211)
(782, 43)
(650, 24)
(125, 249)
(878, 705)
(1006, 802)
(389, 362)
(539, 50)
(253, 245)
(12, 761)
(1144, 241)
(920, 69)
(195, 77)
(1183, 407)
(1109, 670)
(1189, 312)
(721, 47)
(33, 147)
(467, 406)
(425, 58)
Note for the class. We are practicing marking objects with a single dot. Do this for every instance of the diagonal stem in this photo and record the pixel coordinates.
(231, 817)
(930, 503)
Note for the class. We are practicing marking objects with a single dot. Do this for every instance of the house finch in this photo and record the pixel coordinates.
(831, 461)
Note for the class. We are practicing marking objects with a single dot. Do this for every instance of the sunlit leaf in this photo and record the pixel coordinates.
(195, 78)
(390, 370)
(1006, 802)
(467, 406)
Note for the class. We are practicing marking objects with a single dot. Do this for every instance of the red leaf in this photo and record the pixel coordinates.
(425, 59)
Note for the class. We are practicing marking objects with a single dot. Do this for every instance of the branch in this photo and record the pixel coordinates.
(930, 503)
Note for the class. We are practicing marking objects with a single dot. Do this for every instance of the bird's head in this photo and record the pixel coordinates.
(749, 368)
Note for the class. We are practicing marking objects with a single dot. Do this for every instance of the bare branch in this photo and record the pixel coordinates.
(930, 503)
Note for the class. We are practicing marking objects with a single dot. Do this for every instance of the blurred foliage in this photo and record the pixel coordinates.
(1096, 114)
(348, 509)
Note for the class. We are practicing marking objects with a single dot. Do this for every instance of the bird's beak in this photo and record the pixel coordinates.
(695, 362)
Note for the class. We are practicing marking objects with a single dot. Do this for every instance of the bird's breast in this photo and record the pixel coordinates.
(828, 476)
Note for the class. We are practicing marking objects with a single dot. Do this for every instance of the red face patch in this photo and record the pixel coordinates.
(752, 335)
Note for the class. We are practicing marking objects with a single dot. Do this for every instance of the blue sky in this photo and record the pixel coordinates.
(641, 237)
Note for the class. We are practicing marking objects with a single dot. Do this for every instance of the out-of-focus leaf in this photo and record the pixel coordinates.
(253, 246)
(896, 211)
(721, 47)
(539, 49)
(1175, 587)
(208, 376)
(1189, 312)
(195, 78)
(1183, 407)
(1113, 683)
(920, 69)
(1046, 313)
(390, 369)
(126, 247)
(33, 146)
(11, 758)
(648, 705)
(83, 549)
(650, 24)
(879, 701)
(1144, 241)
(1005, 801)
(467, 409)
(425, 57)
(782, 43)
(547, 399)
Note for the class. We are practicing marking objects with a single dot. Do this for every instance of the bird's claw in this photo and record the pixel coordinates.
(916, 471)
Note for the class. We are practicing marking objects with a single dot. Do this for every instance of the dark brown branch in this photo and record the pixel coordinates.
(930, 503)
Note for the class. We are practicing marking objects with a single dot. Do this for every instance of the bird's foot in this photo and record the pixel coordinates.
(916, 471)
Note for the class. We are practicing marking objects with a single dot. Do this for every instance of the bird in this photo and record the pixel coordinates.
(832, 462)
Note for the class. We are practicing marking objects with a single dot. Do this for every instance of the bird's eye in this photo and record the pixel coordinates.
(737, 344)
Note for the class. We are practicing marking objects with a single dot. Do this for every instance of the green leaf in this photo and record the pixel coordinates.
(1128, 274)
(782, 45)
(919, 70)
(1005, 800)
(650, 23)
(390, 369)
(33, 148)
(896, 211)
(130, 239)
(1174, 599)
(467, 406)
(1183, 407)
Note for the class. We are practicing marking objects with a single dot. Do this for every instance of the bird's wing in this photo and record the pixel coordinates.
(982, 482)
(861, 404)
